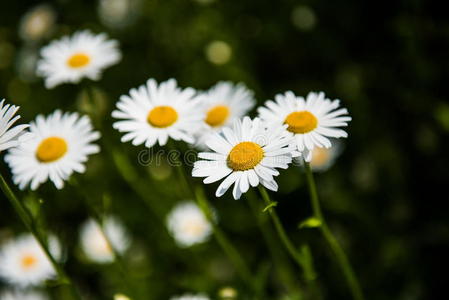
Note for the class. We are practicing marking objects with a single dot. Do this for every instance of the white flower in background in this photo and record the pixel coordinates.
(324, 158)
(94, 243)
(70, 59)
(221, 105)
(188, 225)
(24, 263)
(312, 120)
(60, 145)
(191, 297)
(247, 154)
(153, 113)
(121, 297)
(9, 137)
(37, 23)
(118, 13)
(22, 295)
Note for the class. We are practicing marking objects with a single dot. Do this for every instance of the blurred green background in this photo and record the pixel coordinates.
(385, 198)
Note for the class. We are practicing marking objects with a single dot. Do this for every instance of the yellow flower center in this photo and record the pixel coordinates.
(28, 261)
(162, 116)
(217, 115)
(245, 156)
(78, 60)
(51, 149)
(319, 156)
(301, 122)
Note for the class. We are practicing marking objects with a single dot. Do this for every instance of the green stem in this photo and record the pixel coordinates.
(283, 268)
(224, 242)
(306, 265)
(99, 220)
(342, 259)
(118, 260)
(28, 221)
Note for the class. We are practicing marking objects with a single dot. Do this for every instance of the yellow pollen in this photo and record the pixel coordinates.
(245, 156)
(51, 149)
(301, 122)
(78, 60)
(28, 261)
(217, 115)
(162, 116)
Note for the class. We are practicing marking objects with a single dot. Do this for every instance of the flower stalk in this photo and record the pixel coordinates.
(29, 223)
(198, 193)
(304, 261)
(340, 255)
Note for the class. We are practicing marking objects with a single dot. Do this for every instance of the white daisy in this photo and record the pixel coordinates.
(313, 120)
(152, 113)
(96, 246)
(221, 105)
(190, 297)
(24, 263)
(9, 137)
(70, 59)
(59, 146)
(22, 295)
(37, 23)
(246, 155)
(188, 225)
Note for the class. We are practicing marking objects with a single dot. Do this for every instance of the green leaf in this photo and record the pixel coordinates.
(311, 222)
(272, 204)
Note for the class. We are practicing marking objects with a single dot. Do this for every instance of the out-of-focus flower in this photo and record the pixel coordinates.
(60, 145)
(26, 62)
(153, 113)
(22, 295)
(121, 297)
(247, 154)
(313, 120)
(218, 52)
(303, 17)
(70, 59)
(222, 104)
(118, 13)
(324, 158)
(96, 246)
(24, 263)
(227, 293)
(37, 23)
(9, 137)
(188, 225)
(191, 297)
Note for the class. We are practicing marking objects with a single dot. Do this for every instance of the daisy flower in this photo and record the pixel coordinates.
(96, 246)
(59, 146)
(221, 105)
(70, 59)
(9, 136)
(247, 154)
(153, 113)
(22, 295)
(191, 297)
(24, 263)
(188, 225)
(312, 120)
